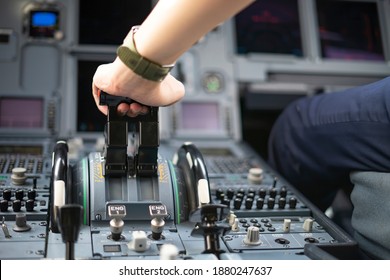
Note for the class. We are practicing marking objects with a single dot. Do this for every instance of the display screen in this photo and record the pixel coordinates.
(89, 118)
(269, 26)
(21, 112)
(44, 23)
(106, 22)
(349, 30)
(21, 150)
(200, 116)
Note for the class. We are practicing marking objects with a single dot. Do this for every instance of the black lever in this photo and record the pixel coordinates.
(70, 216)
(118, 163)
(210, 228)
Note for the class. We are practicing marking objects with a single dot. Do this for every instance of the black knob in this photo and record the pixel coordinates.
(19, 194)
(237, 203)
(218, 193)
(283, 191)
(32, 194)
(16, 205)
(230, 193)
(240, 196)
(292, 202)
(262, 193)
(250, 195)
(7, 194)
(222, 197)
(30, 205)
(273, 192)
(282, 203)
(4, 205)
(241, 190)
(259, 203)
(271, 203)
(226, 202)
(248, 203)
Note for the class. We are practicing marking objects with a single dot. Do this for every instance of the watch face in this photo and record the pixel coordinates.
(213, 82)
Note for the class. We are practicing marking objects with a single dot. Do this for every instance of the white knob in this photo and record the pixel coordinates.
(18, 176)
(308, 225)
(255, 175)
(252, 236)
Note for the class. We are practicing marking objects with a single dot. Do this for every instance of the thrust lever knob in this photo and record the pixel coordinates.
(117, 212)
(158, 213)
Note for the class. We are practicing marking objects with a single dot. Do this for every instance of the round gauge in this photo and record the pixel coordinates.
(213, 82)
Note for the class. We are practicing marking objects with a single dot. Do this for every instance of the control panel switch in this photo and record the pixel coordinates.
(168, 252)
(139, 242)
(4, 227)
(252, 236)
(286, 225)
(308, 225)
(21, 223)
(18, 176)
(255, 175)
(158, 213)
(117, 212)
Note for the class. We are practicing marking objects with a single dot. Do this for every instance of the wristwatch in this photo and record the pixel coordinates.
(140, 65)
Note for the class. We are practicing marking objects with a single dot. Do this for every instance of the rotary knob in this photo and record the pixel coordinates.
(255, 175)
(18, 176)
(252, 236)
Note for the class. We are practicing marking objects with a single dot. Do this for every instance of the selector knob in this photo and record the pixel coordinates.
(283, 191)
(4, 205)
(262, 193)
(7, 194)
(252, 236)
(21, 223)
(255, 175)
(282, 203)
(19, 194)
(271, 203)
(292, 202)
(260, 203)
(272, 192)
(30, 205)
(18, 176)
(16, 205)
(237, 203)
(32, 194)
(230, 193)
(248, 203)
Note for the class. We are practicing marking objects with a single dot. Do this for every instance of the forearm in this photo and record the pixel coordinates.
(175, 25)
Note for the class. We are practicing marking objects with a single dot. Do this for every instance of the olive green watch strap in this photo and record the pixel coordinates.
(140, 65)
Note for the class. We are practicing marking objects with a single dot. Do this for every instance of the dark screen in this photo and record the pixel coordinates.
(349, 30)
(269, 26)
(21, 112)
(106, 22)
(89, 118)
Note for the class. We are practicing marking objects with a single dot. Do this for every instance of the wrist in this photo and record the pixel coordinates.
(142, 66)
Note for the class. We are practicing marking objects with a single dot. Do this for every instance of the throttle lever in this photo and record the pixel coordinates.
(117, 162)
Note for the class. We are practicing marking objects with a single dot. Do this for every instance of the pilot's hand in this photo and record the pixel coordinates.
(117, 79)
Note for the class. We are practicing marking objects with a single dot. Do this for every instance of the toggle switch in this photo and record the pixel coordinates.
(308, 225)
(286, 225)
